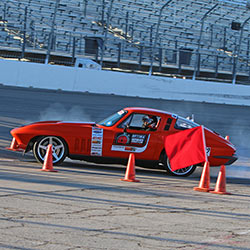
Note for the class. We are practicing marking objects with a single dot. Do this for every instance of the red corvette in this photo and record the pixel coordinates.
(138, 130)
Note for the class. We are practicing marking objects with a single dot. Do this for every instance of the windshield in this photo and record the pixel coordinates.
(111, 120)
(182, 123)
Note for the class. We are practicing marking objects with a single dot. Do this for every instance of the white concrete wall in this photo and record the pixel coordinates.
(36, 75)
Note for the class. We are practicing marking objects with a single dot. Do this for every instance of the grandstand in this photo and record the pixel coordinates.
(122, 35)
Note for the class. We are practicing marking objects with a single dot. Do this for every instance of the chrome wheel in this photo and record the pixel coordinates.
(180, 172)
(59, 149)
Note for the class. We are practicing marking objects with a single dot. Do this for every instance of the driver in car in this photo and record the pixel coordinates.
(149, 123)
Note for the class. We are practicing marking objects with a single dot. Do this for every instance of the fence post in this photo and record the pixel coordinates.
(179, 61)
(106, 31)
(4, 11)
(74, 50)
(160, 59)
(51, 32)
(198, 63)
(236, 59)
(24, 32)
(126, 27)
(103, 10)
(140, 56)
(199, 40)
(132, 30)
(234, 70)
(85, 7)
(119, 55)
(216, 65)
(156, 36)
(151, 35)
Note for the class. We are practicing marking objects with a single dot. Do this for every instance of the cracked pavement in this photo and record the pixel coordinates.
(86, 206)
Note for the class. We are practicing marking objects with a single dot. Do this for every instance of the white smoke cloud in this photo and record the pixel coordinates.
(59, 112)
(235, 171)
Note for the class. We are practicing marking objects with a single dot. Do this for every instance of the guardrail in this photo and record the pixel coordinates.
(94, 80)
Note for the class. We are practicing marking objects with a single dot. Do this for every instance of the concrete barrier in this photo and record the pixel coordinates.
(26, 74)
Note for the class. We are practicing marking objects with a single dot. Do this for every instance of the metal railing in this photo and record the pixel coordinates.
(102, 42)
(70, 46)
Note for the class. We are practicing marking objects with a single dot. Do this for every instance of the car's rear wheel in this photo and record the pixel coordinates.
(180, 172)
(59, 149)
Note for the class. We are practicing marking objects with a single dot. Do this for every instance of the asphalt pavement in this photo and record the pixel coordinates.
(87, 206)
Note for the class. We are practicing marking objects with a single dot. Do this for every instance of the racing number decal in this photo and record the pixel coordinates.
(96, 141)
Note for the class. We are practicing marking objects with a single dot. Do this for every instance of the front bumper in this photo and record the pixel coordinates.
(230, 159)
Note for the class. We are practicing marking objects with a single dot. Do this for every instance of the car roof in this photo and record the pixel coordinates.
(148, 110)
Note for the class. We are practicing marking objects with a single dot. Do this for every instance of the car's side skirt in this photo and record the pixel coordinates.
(114, 160)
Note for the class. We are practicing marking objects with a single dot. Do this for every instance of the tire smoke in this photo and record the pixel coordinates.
(57, 111)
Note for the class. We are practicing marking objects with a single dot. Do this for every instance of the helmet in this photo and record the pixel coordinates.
(149, 122)
(146, 119)
(153, 119)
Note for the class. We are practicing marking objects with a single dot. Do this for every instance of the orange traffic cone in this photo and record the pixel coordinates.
(130, 171)
(204, 185)
(220, 187)
(13, 145)
(48, 161)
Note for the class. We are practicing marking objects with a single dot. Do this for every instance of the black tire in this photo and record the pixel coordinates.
(59, 149)
(184, 172)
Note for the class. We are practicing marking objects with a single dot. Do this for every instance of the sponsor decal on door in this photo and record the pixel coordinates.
(96, 141)
(126, 142)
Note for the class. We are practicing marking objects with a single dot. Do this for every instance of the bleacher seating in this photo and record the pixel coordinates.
(132, 26)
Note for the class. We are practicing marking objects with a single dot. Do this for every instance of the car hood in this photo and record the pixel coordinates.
(63, 122)
(215, 139)
(50, 126)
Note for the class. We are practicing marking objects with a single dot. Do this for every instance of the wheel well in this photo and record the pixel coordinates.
(162, 155)
(31, 143)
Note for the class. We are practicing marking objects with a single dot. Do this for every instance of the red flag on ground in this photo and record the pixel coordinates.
(186, 148)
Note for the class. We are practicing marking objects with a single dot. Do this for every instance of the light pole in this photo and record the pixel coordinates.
(199, 41)
(106, 31)
(156, 36)
(238, 51)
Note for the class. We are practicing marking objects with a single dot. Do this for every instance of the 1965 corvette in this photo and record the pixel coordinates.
(137, 130)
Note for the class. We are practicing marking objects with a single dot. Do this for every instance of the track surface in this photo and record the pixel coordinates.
(86, 206)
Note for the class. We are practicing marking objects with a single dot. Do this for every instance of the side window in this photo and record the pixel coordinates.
(168, 124)
(126, 122)
(141, 122)
(182, 124)
(137, 121)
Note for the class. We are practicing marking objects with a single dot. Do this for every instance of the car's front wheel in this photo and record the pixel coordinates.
(59, 149)
(180, 172)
